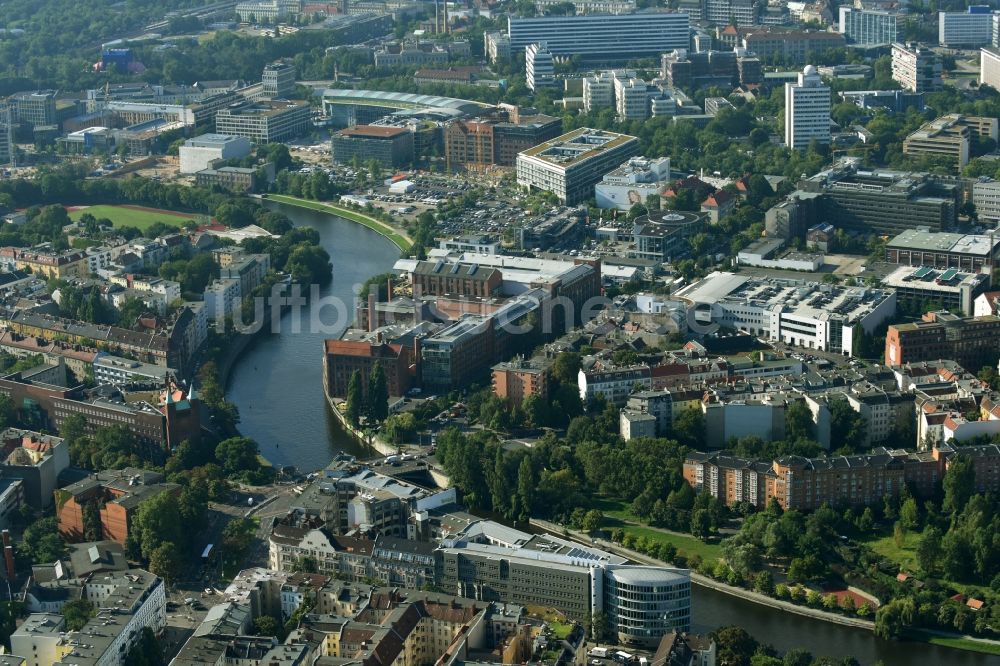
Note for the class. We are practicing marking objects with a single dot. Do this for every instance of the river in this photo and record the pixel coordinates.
(278, 388)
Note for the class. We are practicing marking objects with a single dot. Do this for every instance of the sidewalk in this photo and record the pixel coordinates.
(704, 581)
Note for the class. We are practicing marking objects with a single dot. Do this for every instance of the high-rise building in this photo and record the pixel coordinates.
(867, 27)
(989, 70)
(604, 38)
(973, 27)
(599, 91)
(631, 99)
(915, 68)
(727, 12)
(279, 80)
(539, 66)
(807, 110)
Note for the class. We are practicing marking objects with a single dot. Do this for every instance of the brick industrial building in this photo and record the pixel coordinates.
(117, 495)
(342, 357)
(496, 139)
(970, 341)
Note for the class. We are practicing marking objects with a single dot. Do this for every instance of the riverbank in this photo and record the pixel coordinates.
(704, 581)
(375, 442)
(398, 237)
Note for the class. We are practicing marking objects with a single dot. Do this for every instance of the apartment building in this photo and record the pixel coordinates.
(915, 68)
(539, 67)
(807, 110)
(986, 198)
(47, 262)
(858, 480)
(496, 47)
(614, 384)
(520, 378)
(37, 460)
(570, 165)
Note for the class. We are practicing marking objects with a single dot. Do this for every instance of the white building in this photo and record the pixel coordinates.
(570, 165)
(201, 152)
(915, 68)
(604, 38)
(989, 67)
(615, 384)
(599, 91)
(632, 182)
(497, 46)
(631, 99)
(867, 27)
(222, 298)
(986, 198)
(796, 312)
(965, 29)
(807, 110)
(539, 67)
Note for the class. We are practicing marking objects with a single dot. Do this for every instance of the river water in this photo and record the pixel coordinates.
(277, 386)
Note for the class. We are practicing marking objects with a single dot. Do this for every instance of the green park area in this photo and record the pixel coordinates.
(134, 216)
(618, 514)
(399, 239)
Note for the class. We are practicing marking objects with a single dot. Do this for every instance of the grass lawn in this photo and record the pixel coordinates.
(560, 630)
(687, 546)
(984, 647)
(141, 218)
(401, 241)
(905, 557)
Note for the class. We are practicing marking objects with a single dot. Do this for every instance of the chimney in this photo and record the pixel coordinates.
(372, 316)
(389, 290)
(8, 556)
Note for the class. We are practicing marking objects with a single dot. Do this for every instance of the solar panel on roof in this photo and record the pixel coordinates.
(922, 272)
(948, 274)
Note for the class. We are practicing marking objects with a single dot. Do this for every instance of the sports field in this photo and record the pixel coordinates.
(133, 216)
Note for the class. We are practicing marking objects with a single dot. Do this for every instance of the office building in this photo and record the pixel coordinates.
(805, 314)
(915, 68)
(882, 201)
(264, 122)
(867, 27)
(662, 236)
(728, 12)
(989, 61)
(392, 147)
(950, 137)
(235, 179)
(939, 250)
(986, 198)
(807, 110)
(34, 108)
(278, 80)
(202, 151)
(570, 165)
(539, 67)
(603, 38)
(696, 69)
(971, 28)
(895, 101)
(945, 288)
(496, 139)
(599, 91)
(970, 341)
(492, 562)
(632, 183)
(631, 99)
(775, 43)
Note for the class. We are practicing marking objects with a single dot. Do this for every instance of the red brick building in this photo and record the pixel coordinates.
(343, 357)
(970, 341)
(439, 278)
(520, 378)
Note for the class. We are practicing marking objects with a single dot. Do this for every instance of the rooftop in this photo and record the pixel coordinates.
(919, 239)
(577, 146)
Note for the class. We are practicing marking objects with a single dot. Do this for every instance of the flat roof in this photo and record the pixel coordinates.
(374, 131)
(930, 279)
(400, 100)
(576, 146)
(918, 239)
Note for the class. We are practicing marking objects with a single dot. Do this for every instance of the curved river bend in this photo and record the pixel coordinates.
(278, 387)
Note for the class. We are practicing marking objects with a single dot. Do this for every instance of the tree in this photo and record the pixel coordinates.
(565, 367)
(77, 612)
(355, 401)
(237, 454)
(164, 562)
(41, 542)
(526, 487)
(146, 651)
(157, 521)
(265, 625)
(592, 521)
(701, 523)
(909, 514)
(689, 428)
(734, 646)
(798, 421)
(959, 483)
(847, 427)
(399, 428)
(930, 550)
(378, 395)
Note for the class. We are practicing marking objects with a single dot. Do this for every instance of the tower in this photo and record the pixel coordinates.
(807, 110)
